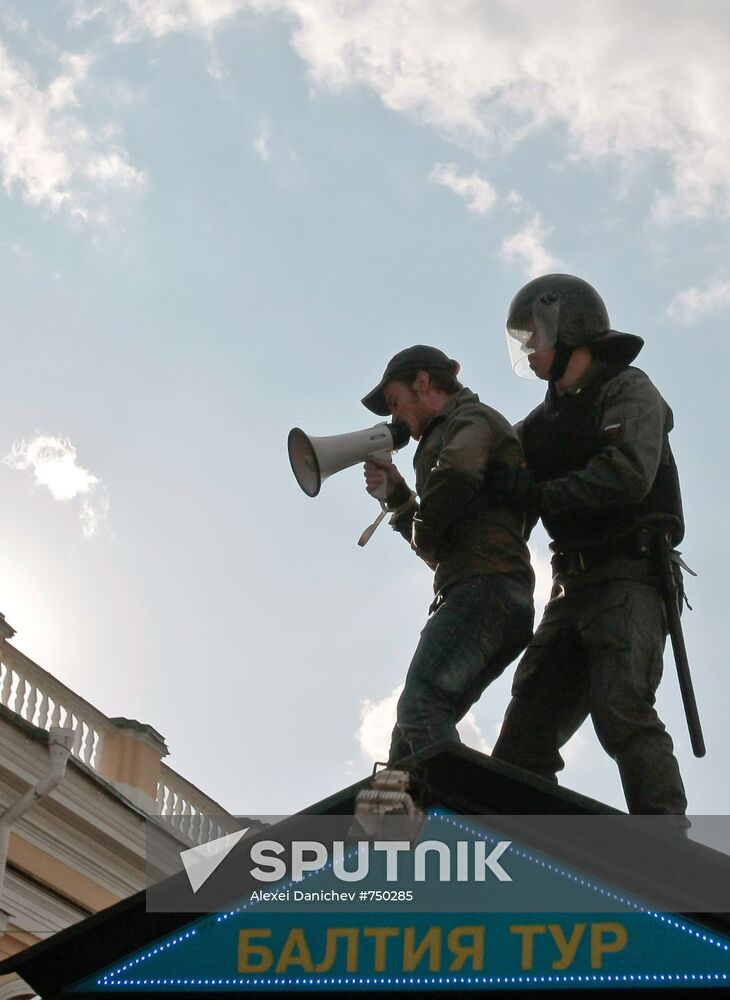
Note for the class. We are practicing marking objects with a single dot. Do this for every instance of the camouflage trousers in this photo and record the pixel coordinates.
(598, 651)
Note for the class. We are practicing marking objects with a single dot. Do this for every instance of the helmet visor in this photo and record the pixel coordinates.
(531, 330)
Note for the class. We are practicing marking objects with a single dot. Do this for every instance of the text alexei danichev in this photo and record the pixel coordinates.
(333, 896)
(299, 896)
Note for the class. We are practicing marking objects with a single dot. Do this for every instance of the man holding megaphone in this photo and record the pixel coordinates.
(482, 616)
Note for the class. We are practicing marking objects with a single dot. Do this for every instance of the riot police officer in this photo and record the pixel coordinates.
(600, 473)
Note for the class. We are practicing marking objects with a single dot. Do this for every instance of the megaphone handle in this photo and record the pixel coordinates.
(381, 492)
(370, 530)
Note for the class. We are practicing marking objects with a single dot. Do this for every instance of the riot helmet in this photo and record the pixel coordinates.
(565, 312)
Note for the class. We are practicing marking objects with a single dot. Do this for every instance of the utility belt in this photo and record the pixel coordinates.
(641, 543)
(570, 562)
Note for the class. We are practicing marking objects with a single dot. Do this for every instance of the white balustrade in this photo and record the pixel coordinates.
(187, 809)
(43, 701)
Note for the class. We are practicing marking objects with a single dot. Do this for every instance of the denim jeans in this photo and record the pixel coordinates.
(480, 625)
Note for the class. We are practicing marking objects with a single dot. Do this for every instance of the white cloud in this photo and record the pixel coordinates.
(694, 303)
(47, 154)
(616, 79)
(17, 251)
(216, 71)
(94, 513)
(579, 753)
(543, 571)
(527, 248)
(53, 462)
(491, 74)
(112, 169)
(54, 465)
(472, 735)
(478, 193)
(11, 22)
(515, 201)
(133, 18)
(261, 142)
(284, 162)
(377, 719)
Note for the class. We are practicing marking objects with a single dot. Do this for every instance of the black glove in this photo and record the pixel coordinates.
(514, 487)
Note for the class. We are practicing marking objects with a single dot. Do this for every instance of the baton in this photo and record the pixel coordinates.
(672, 597)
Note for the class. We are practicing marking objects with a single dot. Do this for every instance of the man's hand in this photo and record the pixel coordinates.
(514, 487)
(378, 471)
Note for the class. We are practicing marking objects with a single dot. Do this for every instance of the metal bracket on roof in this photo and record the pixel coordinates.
(386, 811)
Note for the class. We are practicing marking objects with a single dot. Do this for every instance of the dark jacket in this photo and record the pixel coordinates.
(453, 517)
(601, 452)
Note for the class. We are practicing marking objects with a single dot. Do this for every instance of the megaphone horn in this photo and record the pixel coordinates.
(314, 459)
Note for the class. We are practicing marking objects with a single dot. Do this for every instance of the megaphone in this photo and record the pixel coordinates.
(314, 459)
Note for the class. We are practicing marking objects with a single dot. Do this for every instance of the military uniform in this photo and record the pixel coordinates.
(600, 452)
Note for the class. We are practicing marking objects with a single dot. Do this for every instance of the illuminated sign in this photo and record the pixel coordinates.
(319, 951)
(580, 933)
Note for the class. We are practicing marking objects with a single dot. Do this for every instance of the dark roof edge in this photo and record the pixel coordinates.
(453, 776)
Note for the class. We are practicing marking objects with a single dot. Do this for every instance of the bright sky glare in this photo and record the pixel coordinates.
(220, 218)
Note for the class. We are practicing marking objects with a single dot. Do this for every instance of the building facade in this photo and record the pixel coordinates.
(82, 847)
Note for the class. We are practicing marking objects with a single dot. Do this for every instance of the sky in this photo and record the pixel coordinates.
(218, 220)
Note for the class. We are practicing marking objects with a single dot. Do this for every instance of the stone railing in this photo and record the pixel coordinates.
(43, 701)
(190, 811)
